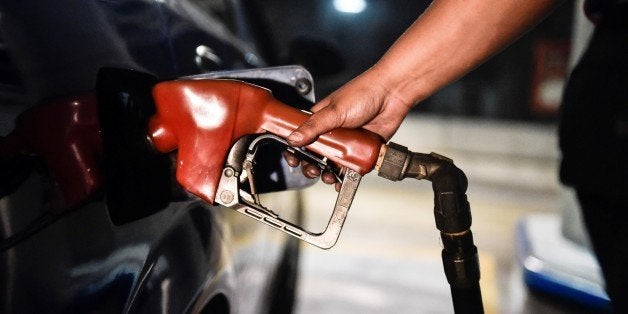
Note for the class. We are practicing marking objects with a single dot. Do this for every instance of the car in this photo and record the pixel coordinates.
(91, 217)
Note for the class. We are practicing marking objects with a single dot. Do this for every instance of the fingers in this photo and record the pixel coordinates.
(292, 160)
(309, 170)
(320, 122)
(320, 105)
(328, 178)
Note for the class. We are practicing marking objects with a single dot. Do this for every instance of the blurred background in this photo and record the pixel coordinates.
(338, 39)
(498, 123)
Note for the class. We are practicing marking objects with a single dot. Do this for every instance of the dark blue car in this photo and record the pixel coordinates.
(91, 220)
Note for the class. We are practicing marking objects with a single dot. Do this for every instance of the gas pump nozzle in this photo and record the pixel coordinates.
(217, 126)
(204, 119)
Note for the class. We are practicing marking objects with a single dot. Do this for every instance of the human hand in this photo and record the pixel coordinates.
(365, 102)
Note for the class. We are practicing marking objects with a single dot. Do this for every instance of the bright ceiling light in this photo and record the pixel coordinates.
(350, 6)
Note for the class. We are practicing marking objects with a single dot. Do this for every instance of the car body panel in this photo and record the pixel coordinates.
(176, 259)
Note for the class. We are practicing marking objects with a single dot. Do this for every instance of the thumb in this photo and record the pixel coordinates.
(319, 123)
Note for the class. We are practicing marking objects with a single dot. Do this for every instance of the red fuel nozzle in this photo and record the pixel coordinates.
(65, 132)
(204, 118)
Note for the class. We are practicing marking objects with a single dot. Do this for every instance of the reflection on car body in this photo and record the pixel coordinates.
(168, 252)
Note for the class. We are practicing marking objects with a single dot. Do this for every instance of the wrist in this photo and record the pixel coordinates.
(401, 86)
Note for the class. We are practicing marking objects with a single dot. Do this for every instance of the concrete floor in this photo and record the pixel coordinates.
(388, 257)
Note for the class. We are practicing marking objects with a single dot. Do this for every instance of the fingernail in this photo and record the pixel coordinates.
(292, 162)
(313, 172)
(295, 137)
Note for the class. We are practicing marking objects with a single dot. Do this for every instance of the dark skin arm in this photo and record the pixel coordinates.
(448, 40)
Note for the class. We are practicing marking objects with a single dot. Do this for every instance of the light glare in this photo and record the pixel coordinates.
(207, 112)
(350, 6)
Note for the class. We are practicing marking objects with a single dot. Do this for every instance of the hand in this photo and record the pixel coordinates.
(436, 50)
(364, 102)
(310, 170)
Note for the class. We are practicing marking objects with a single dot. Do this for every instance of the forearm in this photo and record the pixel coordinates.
(451, 38)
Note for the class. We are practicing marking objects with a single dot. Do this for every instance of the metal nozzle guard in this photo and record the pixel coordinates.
(231, 195)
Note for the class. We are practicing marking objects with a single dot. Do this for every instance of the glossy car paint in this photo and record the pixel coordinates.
(181, 258)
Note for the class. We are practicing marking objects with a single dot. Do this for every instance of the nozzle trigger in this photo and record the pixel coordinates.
(248, 203)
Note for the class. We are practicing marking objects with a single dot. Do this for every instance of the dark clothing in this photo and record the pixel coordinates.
(594, 128)
(604, 219)
(594, 143)
(596, 9)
